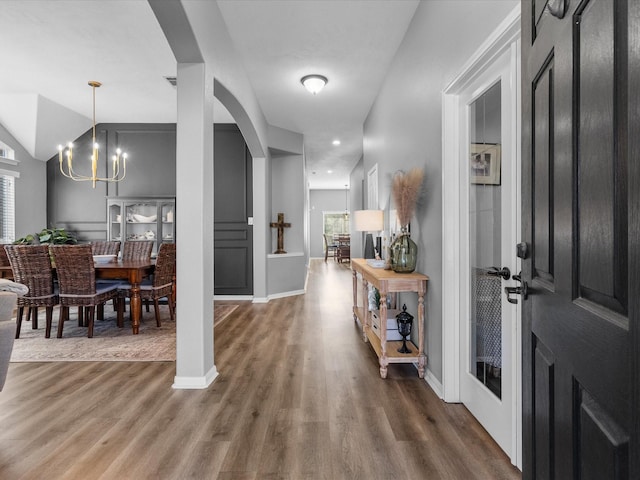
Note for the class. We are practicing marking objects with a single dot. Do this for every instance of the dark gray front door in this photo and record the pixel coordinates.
(581, 219)
(233, 206)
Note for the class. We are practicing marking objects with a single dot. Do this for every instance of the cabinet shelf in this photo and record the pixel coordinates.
(128, 229)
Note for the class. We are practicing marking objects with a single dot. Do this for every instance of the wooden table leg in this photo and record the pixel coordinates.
(135, 278)
(136, 306)
(365, 309)
(422, 359)
(384, 360)
(355, 294)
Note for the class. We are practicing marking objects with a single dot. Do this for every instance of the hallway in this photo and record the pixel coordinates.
(298, 397)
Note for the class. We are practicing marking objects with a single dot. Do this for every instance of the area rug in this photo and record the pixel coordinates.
(109, 343)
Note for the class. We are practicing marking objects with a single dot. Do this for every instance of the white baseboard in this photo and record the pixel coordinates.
(240, 298)
(193, 383)
(292, 293)
(434, 383)
(260, 300)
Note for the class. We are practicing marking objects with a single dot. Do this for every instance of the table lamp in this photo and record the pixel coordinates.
(368, 221)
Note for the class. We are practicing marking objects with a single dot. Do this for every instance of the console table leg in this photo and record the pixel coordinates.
(365, 309)
(383, 367)
(422, 362)
(355, 294)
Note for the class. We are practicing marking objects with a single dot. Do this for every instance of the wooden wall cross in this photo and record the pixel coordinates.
(280, 225)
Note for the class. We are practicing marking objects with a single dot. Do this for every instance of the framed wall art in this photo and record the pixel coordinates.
(484, 163)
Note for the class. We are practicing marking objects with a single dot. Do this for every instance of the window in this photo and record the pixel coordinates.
(7, 209)
(335, 223)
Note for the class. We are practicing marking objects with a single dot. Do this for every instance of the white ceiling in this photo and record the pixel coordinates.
(50, 49)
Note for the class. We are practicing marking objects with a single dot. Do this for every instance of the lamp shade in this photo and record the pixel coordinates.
(368, 220)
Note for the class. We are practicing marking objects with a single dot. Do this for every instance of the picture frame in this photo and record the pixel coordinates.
(484, 163)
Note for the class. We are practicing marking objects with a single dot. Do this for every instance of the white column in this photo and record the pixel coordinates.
(194, 228)
(261, 229)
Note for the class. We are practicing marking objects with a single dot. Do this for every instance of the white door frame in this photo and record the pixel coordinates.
(505, 38)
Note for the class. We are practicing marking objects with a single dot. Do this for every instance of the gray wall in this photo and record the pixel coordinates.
(356, 202)
(286, 274)
(287, 183)
(31, 188)
(322, 201)
(403, 128)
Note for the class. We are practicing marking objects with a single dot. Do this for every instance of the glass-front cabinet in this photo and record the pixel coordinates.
(141, 218)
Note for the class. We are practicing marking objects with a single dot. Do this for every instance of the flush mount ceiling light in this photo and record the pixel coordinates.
(314, 83)
(336, 142)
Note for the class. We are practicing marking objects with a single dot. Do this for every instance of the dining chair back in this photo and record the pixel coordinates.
(4, 262)
(343, 253)
(330, 246)
(105, 247)
(161, 284)
(77, 283)
(31, 265)
(137, 249)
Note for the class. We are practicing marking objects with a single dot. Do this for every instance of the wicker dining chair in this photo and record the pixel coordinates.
(4, 262)
(77, 283)
(137, 249)
(160, 286)
(105, 247)
(31, 265)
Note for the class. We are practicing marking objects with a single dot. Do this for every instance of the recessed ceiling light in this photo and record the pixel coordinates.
(314, 83)
(329, 171)
(336, 142)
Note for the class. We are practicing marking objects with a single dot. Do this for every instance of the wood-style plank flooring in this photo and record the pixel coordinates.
(299, 396)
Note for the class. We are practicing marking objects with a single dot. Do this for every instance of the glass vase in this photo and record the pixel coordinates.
(404, 253)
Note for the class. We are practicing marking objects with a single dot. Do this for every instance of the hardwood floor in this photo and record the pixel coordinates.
(299, 396)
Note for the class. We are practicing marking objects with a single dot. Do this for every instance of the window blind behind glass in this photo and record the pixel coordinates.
(7, 209)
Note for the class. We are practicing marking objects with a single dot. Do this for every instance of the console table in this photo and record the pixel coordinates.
(388, 282)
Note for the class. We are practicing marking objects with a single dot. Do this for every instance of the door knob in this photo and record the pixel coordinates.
(522, 289)
(505, 273)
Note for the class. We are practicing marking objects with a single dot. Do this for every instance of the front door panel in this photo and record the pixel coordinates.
(578, 391)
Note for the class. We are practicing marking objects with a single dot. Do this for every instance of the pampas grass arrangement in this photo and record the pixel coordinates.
(405, 188)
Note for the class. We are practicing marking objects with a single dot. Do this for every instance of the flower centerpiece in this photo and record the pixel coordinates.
(405, 188)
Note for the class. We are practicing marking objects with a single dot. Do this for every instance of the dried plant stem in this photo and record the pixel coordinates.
(406, 189)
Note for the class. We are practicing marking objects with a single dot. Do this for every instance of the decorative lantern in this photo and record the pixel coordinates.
(405, 324)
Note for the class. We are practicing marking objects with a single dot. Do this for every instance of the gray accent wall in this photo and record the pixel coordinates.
(404, 127)
(31, 188)
(151, 171)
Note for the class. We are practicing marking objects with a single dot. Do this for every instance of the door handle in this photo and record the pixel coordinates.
(505, 273)
(522, 289)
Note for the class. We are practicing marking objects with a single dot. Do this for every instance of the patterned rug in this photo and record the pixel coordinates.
(109, 343)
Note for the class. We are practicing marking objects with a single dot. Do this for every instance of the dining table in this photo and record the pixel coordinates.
(133, 271)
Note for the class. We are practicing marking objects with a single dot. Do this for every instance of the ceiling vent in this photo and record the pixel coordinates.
(172, 80)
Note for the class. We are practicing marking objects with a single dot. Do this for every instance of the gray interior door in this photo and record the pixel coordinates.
(233, 205)
(581, 208)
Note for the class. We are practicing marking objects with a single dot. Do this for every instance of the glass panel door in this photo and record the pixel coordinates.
(485, 233)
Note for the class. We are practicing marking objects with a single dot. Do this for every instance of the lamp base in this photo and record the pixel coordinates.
(368, 247)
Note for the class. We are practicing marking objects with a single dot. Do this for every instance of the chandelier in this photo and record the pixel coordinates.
(120, 157)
